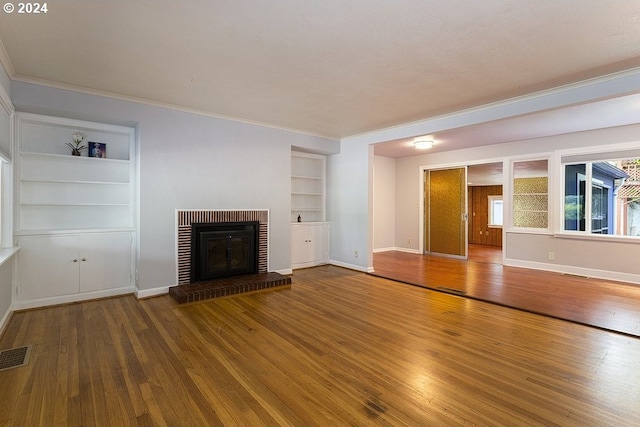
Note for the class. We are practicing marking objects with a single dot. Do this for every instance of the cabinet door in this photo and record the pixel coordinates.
(105, 261)
(319, 243)
(47, 266)
(300, 246)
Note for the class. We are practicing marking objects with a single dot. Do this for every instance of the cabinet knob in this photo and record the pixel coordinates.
(75, 260)
(84, 259)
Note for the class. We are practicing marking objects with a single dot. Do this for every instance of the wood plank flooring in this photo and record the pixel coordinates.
(337, 348)
(604, 304)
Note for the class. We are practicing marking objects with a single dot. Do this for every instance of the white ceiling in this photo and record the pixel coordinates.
(333, 68)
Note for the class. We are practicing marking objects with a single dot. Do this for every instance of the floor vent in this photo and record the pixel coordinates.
(14, 357)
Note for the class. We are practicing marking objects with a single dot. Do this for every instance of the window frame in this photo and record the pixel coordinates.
(491, 200)
(589, 156)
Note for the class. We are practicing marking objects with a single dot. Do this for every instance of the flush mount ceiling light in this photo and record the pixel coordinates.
(423, 144)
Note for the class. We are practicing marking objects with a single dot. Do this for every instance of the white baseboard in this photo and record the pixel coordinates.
(285, 272)
(398, 249)
(578, 271)
(154, 292)
(384, 250)
(64, 299)
(351, 266)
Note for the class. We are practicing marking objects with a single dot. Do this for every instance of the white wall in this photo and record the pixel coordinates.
(590, 257)
(190, 161)
(384, 202)
(350, 204)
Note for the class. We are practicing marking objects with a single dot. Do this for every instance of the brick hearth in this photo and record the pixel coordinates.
(227, 286)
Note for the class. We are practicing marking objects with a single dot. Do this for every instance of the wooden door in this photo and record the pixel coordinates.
(446, 217)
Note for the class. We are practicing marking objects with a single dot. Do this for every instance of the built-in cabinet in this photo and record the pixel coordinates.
(57, 265)
(309, 244)
(75, 215)
(307, 187)
(309, 231)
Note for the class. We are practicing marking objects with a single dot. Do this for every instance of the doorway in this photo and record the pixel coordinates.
(485, 207)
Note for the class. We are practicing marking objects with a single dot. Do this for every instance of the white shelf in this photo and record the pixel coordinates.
(57, 191)
(308, 191)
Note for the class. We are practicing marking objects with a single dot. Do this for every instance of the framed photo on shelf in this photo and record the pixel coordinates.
(98, 149)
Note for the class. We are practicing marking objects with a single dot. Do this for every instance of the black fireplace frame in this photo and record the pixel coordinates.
(200, 229)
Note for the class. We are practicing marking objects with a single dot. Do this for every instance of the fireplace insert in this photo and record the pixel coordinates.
(223, 249)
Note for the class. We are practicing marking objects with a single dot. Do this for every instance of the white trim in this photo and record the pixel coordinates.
(5, 99)
(579, 271)
(590, 90)
(398, 249)
(148, 293)
(6, 62)
(351, 266)
(7, 253)
(299, 265)
(392, 248)
(594, 237)
(63, 299)
(285, 271)
(152, 103)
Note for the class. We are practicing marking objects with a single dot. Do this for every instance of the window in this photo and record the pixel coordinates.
(602, 196)
(496, 214)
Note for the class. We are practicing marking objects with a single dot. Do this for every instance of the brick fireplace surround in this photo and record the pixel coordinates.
(186, 292)
(186, 218)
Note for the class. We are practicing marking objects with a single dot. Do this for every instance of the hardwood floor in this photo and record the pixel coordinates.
(604, 304)
(337, 348)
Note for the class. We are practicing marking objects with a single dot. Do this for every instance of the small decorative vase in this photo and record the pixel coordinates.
(75, 152)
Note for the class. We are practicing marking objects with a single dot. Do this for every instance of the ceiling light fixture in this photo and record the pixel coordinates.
(423, 144)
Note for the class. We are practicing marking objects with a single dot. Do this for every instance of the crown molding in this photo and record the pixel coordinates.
(6, 62)
(5, 102)
(585, 91)
(152, 103)
(5, 99)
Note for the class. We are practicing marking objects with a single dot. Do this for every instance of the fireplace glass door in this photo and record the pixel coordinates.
(228, 251)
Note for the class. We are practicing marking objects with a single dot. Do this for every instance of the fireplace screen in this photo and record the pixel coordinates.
(223, 249)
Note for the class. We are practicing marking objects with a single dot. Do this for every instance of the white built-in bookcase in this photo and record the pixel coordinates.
(75, 216)
(308, 187)
(59, 192)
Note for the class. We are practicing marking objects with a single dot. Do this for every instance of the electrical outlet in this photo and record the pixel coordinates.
(552, 256)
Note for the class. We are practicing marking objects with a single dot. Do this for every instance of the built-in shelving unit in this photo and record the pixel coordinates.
(75, 215)
(57, 191)
(310, 236)
(307, 187)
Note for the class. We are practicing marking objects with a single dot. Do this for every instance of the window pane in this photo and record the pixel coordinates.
(609, 204)
(574, 197)
(495, 211)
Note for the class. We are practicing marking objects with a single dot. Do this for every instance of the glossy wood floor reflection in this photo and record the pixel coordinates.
(338, 348)
(604, 304)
